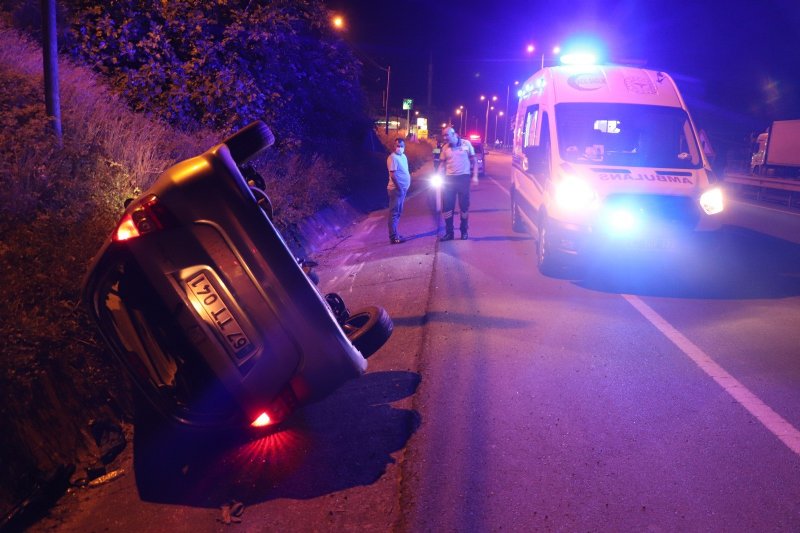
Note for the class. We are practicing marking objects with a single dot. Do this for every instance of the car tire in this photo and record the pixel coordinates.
(548, 260)
(249, 141)
(368, 329)
(517, 225)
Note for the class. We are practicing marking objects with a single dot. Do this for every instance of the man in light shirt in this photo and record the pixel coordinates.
(458, 158)
(399, 182)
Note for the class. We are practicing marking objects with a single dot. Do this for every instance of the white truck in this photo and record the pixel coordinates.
(777, 150)
(607, 158)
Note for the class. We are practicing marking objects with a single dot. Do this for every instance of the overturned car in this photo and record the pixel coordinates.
(200, 298)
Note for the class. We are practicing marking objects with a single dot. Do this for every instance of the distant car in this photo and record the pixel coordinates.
(480, 158)
(480, 153)
(197, 294)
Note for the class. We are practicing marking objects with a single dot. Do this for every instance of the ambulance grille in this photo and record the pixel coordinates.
(680, 211)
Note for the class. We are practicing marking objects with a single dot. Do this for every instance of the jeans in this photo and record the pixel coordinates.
(396, 199)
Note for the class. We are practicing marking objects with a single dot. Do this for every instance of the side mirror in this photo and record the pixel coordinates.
(537, 158)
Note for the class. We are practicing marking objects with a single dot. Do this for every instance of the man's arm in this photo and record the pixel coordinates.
(393, 178)
(391, 165)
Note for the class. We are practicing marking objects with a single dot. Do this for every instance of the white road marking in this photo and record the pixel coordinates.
(500, 187)
(353, 272)
(771, 420)
(774, 422)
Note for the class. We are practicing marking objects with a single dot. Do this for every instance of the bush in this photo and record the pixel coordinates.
(221, 65)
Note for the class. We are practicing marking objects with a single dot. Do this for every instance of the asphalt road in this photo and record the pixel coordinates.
(659, 395)
(648, 396)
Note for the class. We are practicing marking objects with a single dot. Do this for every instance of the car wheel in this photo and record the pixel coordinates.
(368, 329)
(248, 141)
(516, 221)
(548, 260)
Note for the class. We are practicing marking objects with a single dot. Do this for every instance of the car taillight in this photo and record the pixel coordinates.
(147, 217)
(262, 420)
(278, 409)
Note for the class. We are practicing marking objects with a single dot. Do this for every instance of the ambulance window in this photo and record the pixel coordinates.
(626, 134)
(691, 152)
(529, 128)
(539, 155)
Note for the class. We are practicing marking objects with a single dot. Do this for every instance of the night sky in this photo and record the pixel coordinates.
(737, 63)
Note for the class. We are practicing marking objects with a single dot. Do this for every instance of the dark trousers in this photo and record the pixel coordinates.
(456, 188)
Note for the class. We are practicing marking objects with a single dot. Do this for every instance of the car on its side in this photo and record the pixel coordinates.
(200, 298)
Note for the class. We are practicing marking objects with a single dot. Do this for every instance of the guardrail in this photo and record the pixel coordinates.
(764, 189)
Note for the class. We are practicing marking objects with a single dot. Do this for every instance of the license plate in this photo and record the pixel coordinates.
(653, 243)
(219, 315)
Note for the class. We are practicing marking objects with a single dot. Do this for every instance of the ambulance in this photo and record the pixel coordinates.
(607, 159)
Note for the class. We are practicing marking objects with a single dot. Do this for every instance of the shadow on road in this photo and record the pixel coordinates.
(502, 238)
(447, 317)
(738, 264)
(342, 442)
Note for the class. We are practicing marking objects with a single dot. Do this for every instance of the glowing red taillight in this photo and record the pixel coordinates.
(279, 407)
(147, 217)
(126, 229)
(262, 420)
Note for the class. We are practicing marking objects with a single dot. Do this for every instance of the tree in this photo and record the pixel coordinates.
(222, 64)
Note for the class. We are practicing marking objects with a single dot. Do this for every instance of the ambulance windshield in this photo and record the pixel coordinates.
(626, 135)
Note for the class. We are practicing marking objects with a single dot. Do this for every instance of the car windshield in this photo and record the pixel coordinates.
(626, 135)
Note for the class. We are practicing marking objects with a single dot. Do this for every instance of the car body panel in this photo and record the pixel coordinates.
(216, 302)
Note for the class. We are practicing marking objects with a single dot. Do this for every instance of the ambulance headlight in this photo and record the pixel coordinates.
(711, 201)
(572, 194)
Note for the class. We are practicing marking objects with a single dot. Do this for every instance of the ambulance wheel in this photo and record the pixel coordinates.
(516, 221)
(548, 260)
(368, 329)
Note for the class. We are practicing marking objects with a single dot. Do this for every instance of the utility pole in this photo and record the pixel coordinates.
(388, 77)
(430, 81)
(50, 64)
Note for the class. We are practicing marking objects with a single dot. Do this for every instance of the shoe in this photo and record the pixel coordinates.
(446, 237)
(396, 240)
(464, 236)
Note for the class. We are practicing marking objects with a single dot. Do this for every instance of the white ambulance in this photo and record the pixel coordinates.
(606, 158)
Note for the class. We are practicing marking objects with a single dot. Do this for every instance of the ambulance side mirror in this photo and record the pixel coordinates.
(537, 158)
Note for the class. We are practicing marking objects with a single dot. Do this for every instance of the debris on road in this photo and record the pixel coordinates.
(105, 478)
(232, 512)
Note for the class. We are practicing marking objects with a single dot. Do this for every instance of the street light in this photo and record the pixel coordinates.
(531, 48)
(339, 24)
(505, 123)
(498, 115)
(486, 124)
(460, 119)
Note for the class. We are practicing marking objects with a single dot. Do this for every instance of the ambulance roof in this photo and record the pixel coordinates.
(604, 83)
